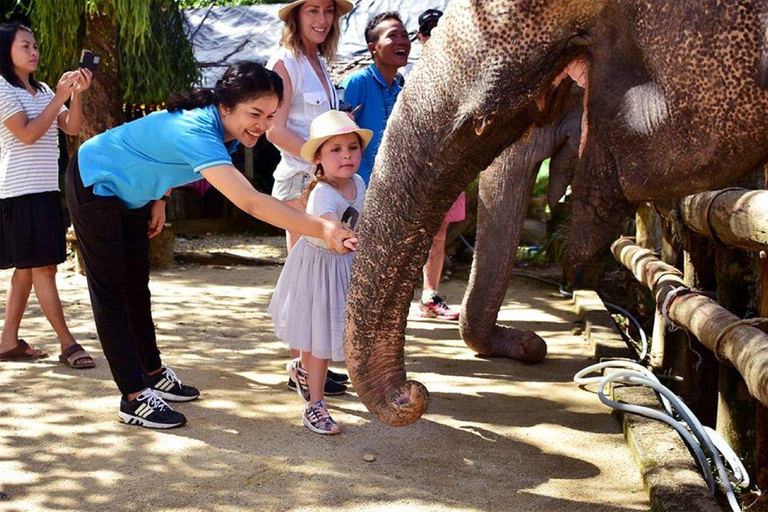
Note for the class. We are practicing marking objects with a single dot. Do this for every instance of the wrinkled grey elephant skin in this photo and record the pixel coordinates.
(504, 189)
(675, 103)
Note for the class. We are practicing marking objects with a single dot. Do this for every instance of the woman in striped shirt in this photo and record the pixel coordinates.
(31, 220)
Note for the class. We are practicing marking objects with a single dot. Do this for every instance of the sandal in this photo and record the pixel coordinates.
(76, 357)
(21, 353)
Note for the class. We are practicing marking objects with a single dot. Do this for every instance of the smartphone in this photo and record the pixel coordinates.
(89, 60)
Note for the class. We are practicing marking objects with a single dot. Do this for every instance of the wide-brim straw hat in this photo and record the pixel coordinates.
(331, 124)
(342, 6)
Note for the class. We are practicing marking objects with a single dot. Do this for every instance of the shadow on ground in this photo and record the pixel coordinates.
(499, 435)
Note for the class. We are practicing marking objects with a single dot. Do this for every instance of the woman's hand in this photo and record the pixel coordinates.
(66, 85)
(157, 218)
(339, 238)
(84, 80)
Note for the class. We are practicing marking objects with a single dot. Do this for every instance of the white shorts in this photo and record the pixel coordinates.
(287, 190)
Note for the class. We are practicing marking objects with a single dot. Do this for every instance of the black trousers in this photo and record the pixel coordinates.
(115, 248)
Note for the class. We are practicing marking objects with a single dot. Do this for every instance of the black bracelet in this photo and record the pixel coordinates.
(165, 199)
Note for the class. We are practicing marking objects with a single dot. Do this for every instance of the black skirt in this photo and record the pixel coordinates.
(32, 231)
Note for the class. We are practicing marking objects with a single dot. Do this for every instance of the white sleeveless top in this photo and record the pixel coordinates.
(309, 100)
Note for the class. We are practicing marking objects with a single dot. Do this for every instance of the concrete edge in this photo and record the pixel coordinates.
(604, 339)
(668, 469)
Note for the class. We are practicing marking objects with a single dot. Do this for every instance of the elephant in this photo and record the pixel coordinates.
(503, 192)
(674, 103)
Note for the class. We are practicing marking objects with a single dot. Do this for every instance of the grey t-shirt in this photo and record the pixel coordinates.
(324, 198)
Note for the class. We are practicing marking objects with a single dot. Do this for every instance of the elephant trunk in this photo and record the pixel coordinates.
(453, 118)
(404, 208)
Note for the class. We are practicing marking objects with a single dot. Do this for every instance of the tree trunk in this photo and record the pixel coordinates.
(103, 104)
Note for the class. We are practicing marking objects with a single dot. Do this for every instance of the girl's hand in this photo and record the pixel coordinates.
(84, 80)
(66, 85)
(157, 219)
(339, 238)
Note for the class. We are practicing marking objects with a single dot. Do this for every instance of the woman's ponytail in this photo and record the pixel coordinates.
(188, 100)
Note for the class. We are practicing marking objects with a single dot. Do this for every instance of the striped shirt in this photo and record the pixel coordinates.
(27, 168)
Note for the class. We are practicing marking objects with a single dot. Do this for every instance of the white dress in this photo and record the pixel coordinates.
(309, 301)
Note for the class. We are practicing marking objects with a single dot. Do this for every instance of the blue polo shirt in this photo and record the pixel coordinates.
(368, 88)
(140, 160)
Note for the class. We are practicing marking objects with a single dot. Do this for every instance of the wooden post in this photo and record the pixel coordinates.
(761, 416)
(249, 172)
(659, 359)
(737, 274)
(648, 227)
(692, 361)
(744, 346)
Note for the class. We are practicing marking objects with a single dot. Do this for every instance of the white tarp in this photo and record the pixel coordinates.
(224, 35)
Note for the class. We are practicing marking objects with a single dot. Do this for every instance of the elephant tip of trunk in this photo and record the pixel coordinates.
(405, 404)
(536, 349)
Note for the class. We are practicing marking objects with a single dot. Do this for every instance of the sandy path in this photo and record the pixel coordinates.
(499, 435)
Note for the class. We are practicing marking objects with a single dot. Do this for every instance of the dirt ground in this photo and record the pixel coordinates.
(499, 435)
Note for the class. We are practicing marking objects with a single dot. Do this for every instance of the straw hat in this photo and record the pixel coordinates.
(328, 125)
(342, 6)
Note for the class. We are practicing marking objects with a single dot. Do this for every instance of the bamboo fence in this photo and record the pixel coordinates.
(734, 342)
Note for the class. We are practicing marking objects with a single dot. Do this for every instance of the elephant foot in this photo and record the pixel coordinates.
(517, 344)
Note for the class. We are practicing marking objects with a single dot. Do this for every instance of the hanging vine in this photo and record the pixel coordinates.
(153, 53)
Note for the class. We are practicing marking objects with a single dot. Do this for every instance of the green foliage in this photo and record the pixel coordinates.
(542, 180)
(187, 4)
(154, 55)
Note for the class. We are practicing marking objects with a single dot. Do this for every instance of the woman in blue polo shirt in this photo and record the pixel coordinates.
(117, 186)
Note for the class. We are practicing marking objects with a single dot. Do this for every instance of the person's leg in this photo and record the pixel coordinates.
(138, 301)
(316, 416)
(431, 304)
(44, 280)
(98, 226)
(15, 303)
(316, 368)
(433, 269)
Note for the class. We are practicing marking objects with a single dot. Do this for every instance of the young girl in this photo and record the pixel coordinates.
(308, 305)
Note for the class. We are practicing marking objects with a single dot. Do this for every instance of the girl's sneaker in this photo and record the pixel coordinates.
(299, 376)
(317, 419)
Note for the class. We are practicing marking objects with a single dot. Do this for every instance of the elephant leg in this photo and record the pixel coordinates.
(504, 190)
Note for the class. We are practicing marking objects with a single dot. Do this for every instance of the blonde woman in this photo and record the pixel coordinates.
(310, 39)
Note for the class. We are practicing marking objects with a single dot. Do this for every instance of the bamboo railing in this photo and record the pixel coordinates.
(745, 347)
(736, 217)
